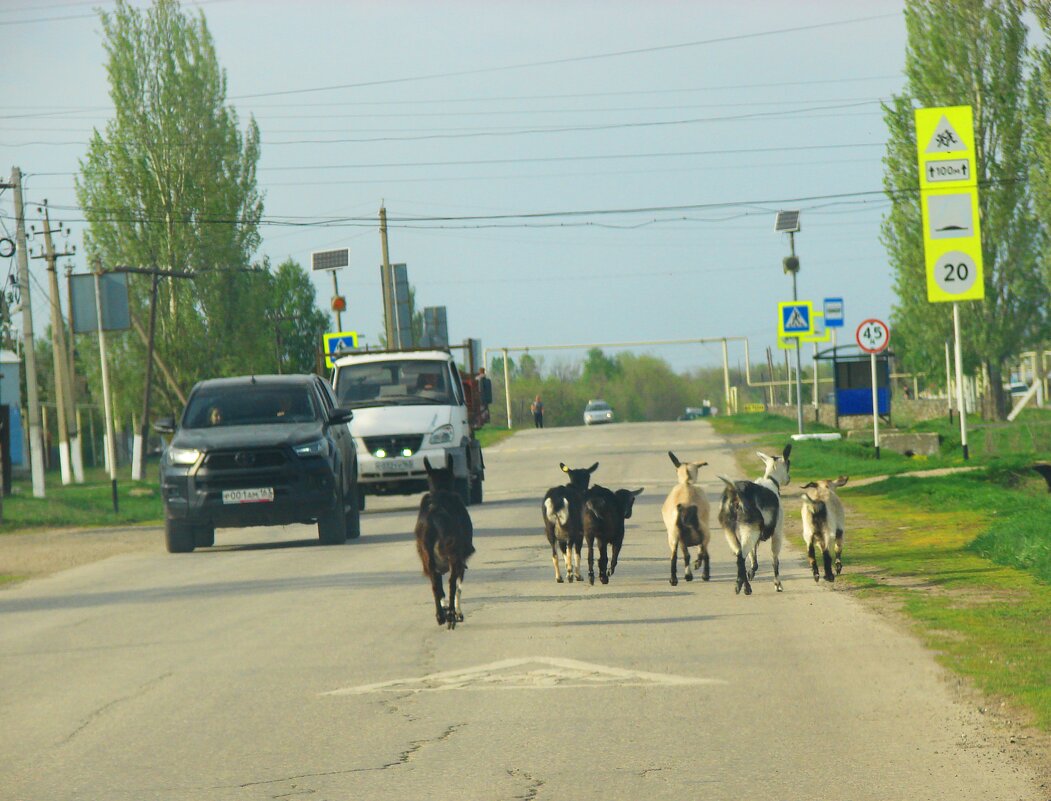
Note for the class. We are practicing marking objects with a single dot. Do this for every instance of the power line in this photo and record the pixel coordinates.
(569, 60)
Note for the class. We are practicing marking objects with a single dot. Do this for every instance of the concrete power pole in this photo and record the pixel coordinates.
(67, 427)
(36, 442)
(388, 283)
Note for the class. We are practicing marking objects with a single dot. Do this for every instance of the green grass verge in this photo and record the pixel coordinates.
(986, 621)
(490, 435)
(89, 504)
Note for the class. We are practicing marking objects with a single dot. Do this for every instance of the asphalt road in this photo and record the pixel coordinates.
(272, 667)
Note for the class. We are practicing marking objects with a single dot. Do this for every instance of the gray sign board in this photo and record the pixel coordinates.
(402, 308)
(115, 313)
(435, 327)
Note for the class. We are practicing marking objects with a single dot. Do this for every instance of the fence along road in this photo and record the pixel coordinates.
(270, 666)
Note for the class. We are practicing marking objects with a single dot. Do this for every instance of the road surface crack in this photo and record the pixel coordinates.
(533, 784)
(102, 710)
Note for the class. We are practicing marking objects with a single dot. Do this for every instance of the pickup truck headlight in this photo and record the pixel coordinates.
(318, 447)
(442, 435)
(183, 456)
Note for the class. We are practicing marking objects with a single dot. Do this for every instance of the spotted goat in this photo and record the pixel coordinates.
(751, 512)
(823, 524)
(686, 515)
(444, 540)
(563, 514)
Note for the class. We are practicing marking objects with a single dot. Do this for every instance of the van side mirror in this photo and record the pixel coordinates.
(164, 425)
(340, 415)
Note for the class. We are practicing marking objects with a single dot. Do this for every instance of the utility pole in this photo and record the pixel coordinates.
(388, 283)
(141, 436)
(76, 443)
(36, 442)
(111, 446)
(67, 427)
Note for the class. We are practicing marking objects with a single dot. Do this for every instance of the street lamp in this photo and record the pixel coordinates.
(787, 222)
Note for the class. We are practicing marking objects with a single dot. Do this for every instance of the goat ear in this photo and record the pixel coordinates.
(563, 466)
(809, 486)
(593, 468)
(699, 465)
(427, 464)
(766, 459)
(674, 460)
(786, 451)
(637, 492)
(839, 482)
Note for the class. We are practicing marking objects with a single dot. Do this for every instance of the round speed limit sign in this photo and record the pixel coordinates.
(873, 336)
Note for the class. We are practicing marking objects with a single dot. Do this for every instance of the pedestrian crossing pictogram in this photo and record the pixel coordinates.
(795, 318)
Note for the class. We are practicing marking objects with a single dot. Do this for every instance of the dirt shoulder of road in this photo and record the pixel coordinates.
(34, 554)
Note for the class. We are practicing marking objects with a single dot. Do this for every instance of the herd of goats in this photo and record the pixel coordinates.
(750, 512)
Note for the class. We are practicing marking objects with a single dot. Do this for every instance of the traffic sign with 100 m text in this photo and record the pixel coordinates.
(952, 240)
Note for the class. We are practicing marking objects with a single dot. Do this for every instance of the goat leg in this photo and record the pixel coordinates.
(813, 561)
(775, 552)
(706, 573)
(576, 571)
(674, 580)
(439, 595)
(603, 561)
(754, 561)
(687, 570)
(613, 560)
(456, 597)
(450, 613)
(554, 558)
(742, 576)
(839, 550)
(568, 553)
(828, 565)
(591, 560)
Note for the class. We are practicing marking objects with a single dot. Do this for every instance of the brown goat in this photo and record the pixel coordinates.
(444, 540)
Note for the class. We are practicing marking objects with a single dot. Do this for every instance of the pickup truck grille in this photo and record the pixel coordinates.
(394, 445)
(245, 460)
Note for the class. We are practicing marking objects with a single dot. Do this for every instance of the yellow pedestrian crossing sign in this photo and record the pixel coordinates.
(952, 240)
(338, 342)
(795, 318)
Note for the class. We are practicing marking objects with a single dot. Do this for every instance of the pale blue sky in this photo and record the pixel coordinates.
(721, 115)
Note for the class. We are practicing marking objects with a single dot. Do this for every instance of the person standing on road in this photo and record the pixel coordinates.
(537, 408)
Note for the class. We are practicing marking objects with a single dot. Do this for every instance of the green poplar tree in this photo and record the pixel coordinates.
(967, 52)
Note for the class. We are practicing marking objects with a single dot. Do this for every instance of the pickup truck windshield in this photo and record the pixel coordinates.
(408, 382)
(249, 405)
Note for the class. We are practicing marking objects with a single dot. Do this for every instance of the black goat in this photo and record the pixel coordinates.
(444, 540)
(604, 514)
(563, 513)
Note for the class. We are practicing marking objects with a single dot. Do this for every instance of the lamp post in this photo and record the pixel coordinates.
(788, 222)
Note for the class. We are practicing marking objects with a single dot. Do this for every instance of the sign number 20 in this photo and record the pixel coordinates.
(955, 273)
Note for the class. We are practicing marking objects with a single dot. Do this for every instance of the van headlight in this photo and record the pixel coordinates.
(442, 435)
(318, 447)
(183, 456)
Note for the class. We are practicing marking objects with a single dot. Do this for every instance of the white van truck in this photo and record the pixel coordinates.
(411, 404)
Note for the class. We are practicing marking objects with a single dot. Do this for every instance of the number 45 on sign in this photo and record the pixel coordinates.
(873, 336)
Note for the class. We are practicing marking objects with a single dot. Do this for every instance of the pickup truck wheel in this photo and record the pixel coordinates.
(178, 536)
(204, 536)
(332, 525)
(354, 515)
(476, 491)
(463, 489)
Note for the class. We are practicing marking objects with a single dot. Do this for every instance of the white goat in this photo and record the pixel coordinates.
(751, 512)
(686, 513)
(823, 523)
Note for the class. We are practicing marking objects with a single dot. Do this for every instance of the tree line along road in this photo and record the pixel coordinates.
(272, 667)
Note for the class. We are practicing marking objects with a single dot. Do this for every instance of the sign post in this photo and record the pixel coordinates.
(952, 238)
(873, 336)
(796, 319)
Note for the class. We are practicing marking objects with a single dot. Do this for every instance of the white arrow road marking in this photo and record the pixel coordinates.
(529, 673)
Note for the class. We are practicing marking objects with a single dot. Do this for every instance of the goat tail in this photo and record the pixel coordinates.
(730, 484)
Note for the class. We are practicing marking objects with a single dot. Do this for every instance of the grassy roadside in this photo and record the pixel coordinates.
(492, 434)
(965, 557)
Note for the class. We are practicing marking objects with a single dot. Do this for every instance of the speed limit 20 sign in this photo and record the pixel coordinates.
(873, 336)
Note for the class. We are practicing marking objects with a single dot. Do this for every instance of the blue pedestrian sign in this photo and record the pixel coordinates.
(833, 312)
(339, 342)
(795, 318)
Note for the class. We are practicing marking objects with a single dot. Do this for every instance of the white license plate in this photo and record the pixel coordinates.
(258, 495)
(395, 466)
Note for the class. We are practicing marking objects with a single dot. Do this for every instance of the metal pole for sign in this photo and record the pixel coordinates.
(875, 404)
(507, 389)
(958, 347)
(335, 294)
(111, 451)
(948, 380)
(799, 357)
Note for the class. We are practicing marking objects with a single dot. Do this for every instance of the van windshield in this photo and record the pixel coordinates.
(408, 382)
